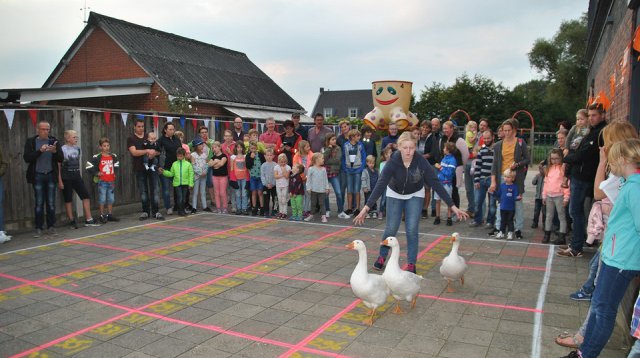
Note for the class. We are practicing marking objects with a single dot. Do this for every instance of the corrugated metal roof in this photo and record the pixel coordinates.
(181, 65)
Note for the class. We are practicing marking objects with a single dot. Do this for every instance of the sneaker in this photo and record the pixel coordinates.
(193, 211)
(159, 216)
(207, 209)
(102, 219)
(379, 264)
(91, 222)
(224, 211)
(143, 216)
(348, 212)
(73, 224)
(38, 233)
(52, 231)
(380, 216)
(436, 221)
(509, 236)
(238, 212)
(580, 296)
(500, 235)
(343, 215)
(518, 234)
(475, 224)
(493, 232)
(573, 354)
(425, 214)
(368, 216)
(112, 218)
(356, 212)
(449, 222)
(433, 213)
(169, 211)
(489, 225)
(323, 219)
(410, 268)
(569, 253)
(534, 225)
(327, 214)
(309, 218)
(4, 237)
(182, 213)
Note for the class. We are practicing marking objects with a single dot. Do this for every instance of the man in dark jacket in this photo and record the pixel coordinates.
(583, 173)
(43, 153)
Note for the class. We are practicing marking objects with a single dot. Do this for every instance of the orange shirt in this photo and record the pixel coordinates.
(508, 155)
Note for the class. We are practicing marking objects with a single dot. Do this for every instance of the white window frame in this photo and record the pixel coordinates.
(328, 112)
(355, 109)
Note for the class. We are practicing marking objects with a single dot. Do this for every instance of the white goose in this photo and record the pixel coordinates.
(370, 288)
(453, 266)
(404, 285)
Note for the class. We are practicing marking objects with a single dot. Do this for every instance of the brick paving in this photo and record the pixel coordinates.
(214, 285)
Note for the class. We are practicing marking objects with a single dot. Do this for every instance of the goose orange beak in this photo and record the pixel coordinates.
(385, 242)
(349, 246)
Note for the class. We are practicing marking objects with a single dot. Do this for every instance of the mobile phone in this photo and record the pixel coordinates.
(52, 142)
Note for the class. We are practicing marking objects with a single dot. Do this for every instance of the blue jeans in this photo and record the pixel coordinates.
(1, 204)
(354, 181)
(412, 209)
(167, 187)
(589, 284)
(45, 190)
(635, 350)
(611, 285)
(106, 193)
(335, 184)
(469, 188)
(181, 197)
(480, 196)
(342, 178)
(148, 188)
(579, 190)
(241, 195)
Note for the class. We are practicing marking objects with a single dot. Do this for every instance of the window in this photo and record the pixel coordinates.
(328, 112)
(353, 112)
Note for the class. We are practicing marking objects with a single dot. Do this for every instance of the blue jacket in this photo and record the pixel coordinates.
(508, 194)
(621, 246)
(360, 163)
(447, 169)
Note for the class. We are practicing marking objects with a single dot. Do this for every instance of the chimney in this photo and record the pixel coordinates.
(321, 89)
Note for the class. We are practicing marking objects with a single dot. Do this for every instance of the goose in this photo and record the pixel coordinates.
(453, 266)
(404, 285)
(370, 288)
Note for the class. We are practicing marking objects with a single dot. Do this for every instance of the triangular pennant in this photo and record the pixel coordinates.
(169, 119)
(194, 122)
(155, 121)
(10, 113)
(182, 121)
(124, 117)
(206, 123)
(140, 116)
(261, 127)
(107, 117)
(245, 127)
(33, 113)
(226, 125)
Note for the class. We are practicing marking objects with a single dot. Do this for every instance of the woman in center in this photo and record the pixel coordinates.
(403, 178)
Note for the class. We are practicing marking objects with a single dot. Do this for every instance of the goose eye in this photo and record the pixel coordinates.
(391, 90)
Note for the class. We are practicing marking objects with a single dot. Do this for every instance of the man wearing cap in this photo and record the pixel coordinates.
(271, 138)
(317, 133)
(238, 132)
(299, 128)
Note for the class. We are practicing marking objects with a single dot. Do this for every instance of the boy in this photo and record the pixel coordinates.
(508, 194)
(102, 166)
(253, 136)
(369, 143)
(369, 179)
(446, 172)
(267, 176)
(254, 162)
(182, 173)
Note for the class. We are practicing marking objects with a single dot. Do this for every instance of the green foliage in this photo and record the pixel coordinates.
(181, 103)
(335, 120)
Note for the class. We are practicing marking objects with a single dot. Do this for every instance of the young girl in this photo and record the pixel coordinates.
(317, 185)
(220, 174)
(369, 179)
(296, 191)
(254, 163)
(268, 182)
(303, 156)
(384, 156)
(239, 174)
(200, 168)
(554, 196)
(332, 158)
(228, 147)
(620, 249)
(574, 138)
(354, 162)
(281, 173)
(471, 134)
(447, 170)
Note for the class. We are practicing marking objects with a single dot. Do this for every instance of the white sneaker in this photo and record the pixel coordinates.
(308, 218)
(343, 215)
(327, 214)
(368, 216)
(500, 235)
(4, 237)
(170, 211)
(510, 236)
(324, 219)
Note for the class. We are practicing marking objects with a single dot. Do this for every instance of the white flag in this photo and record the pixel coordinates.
(124, 118)
(261, 127)
(169, 119)
(9, 113)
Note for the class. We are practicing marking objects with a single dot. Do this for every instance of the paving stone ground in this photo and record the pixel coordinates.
(213, 285)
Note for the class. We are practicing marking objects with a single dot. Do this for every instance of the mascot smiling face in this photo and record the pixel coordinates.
(391, 101)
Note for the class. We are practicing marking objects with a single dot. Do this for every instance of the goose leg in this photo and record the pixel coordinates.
(369, 322)
(398, 309)
(462, 280)
(413, 302)
(449, 288)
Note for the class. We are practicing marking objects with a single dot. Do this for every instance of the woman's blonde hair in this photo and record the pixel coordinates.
(316, 157)
(617, 131)
(628, 150)
(407, 136)
(304, 144)
(582, 113)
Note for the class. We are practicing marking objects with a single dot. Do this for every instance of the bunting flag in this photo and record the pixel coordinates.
(216, 125)
(206, 123)
(33, 113)
(226, 125)
(169, 119)
(182, 121)
(155, 121)
(194, 122)
(124, 118)
(245, 127)
(261, 127)
(602, 99)
(10, 113)
(107, 117)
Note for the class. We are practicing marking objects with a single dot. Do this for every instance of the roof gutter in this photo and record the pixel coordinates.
(245, 105)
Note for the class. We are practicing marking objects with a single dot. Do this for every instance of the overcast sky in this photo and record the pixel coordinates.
(307, 44)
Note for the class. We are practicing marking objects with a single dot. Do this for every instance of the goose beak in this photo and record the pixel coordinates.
(385, 242)
(349, 246)
(454, 237)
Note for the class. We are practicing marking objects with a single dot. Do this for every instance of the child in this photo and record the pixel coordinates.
(384, 156)
(182, 173)
(220, 173)
(229, 149)
(254, 162)
(354, 162)
(508, 194)
(281, 174)
(240, 174)
(200, 168)
(296, 191)
(185, 146)
(369, 143)
(332, 159)
(267, 177)
(317, 185)
(446, 172)
(69, 179)
(573, 140)
(538, 181)
(554, 197)
(471, 135)
(151, 143)
(253, 136)
(303, 156)
(102, 166)
(369, 179)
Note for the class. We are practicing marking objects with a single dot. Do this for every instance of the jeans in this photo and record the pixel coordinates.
(480, 196)
(148, 189)
(241, 195)
(106, 193)
(589, 284)
(45, 190)
(579, 190)
(354, 181)
(1, 204)
(412, 209)
(342, 177)
(181, 193)
(199, 189)
(469, 188)
(335, 184)
(611, 285)
(635, 350)
(537, 210)
(167, 185)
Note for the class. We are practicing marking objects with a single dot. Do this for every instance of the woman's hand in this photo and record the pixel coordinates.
(462, 215)
(359, 220)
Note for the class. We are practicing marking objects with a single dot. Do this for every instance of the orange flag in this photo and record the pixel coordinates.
(636, 41)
